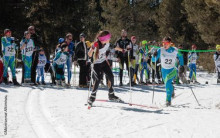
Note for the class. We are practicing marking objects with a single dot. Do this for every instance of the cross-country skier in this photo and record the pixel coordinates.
(42, 60)
(27, 46)
(98, 51)
(168, 55)
(59, 64)
(192, 58)
(217, 62)
(8, 49)
(143, 61)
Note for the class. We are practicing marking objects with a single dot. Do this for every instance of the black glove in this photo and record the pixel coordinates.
(155, 53)
(181, 69)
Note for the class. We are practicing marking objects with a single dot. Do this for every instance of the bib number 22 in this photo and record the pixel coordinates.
(168, 61)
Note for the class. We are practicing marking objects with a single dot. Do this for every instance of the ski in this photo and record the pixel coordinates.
(127, 103)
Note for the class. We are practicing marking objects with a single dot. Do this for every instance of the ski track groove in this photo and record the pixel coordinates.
(47, 115)
(25, 112)
(39, 123)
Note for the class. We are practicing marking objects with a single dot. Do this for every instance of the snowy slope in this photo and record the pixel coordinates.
(55, 113)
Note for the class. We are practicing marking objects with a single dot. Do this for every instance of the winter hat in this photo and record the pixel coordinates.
(61, 40)
(6, 31)
(144, 42)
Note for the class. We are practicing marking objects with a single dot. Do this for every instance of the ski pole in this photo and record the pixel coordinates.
(90, 84)
(193, 93)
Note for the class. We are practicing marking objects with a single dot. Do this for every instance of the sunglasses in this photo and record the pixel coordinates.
(166, 43)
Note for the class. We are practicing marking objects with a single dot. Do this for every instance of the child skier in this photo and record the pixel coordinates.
(217, 62)
(27, 47)
(98, 51)
(168, 55)
(59, 64)
(192, 64)
(8, 49)
(143, 59)
(42, 60)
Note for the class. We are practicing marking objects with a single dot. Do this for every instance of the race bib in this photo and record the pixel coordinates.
(10, 50)
(168, 60)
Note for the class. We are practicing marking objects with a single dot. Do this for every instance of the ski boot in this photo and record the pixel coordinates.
(112, 97)
(91, 101)
(168, 103)
(15, 82)
(5, 80)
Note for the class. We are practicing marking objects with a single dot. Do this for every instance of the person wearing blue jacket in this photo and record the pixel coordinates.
(71, 47)
(8, 49)
(168, 56)
(59, 64)
(192, 58)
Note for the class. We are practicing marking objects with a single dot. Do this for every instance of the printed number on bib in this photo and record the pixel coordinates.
(10, 49)
(168, 61)
(29, 49)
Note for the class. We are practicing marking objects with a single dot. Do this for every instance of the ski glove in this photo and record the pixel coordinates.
(181, 69)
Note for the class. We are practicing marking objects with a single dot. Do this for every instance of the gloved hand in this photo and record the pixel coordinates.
(95, 45)
(181, 69)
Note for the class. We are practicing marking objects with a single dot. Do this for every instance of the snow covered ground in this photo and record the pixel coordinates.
(33, 112)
